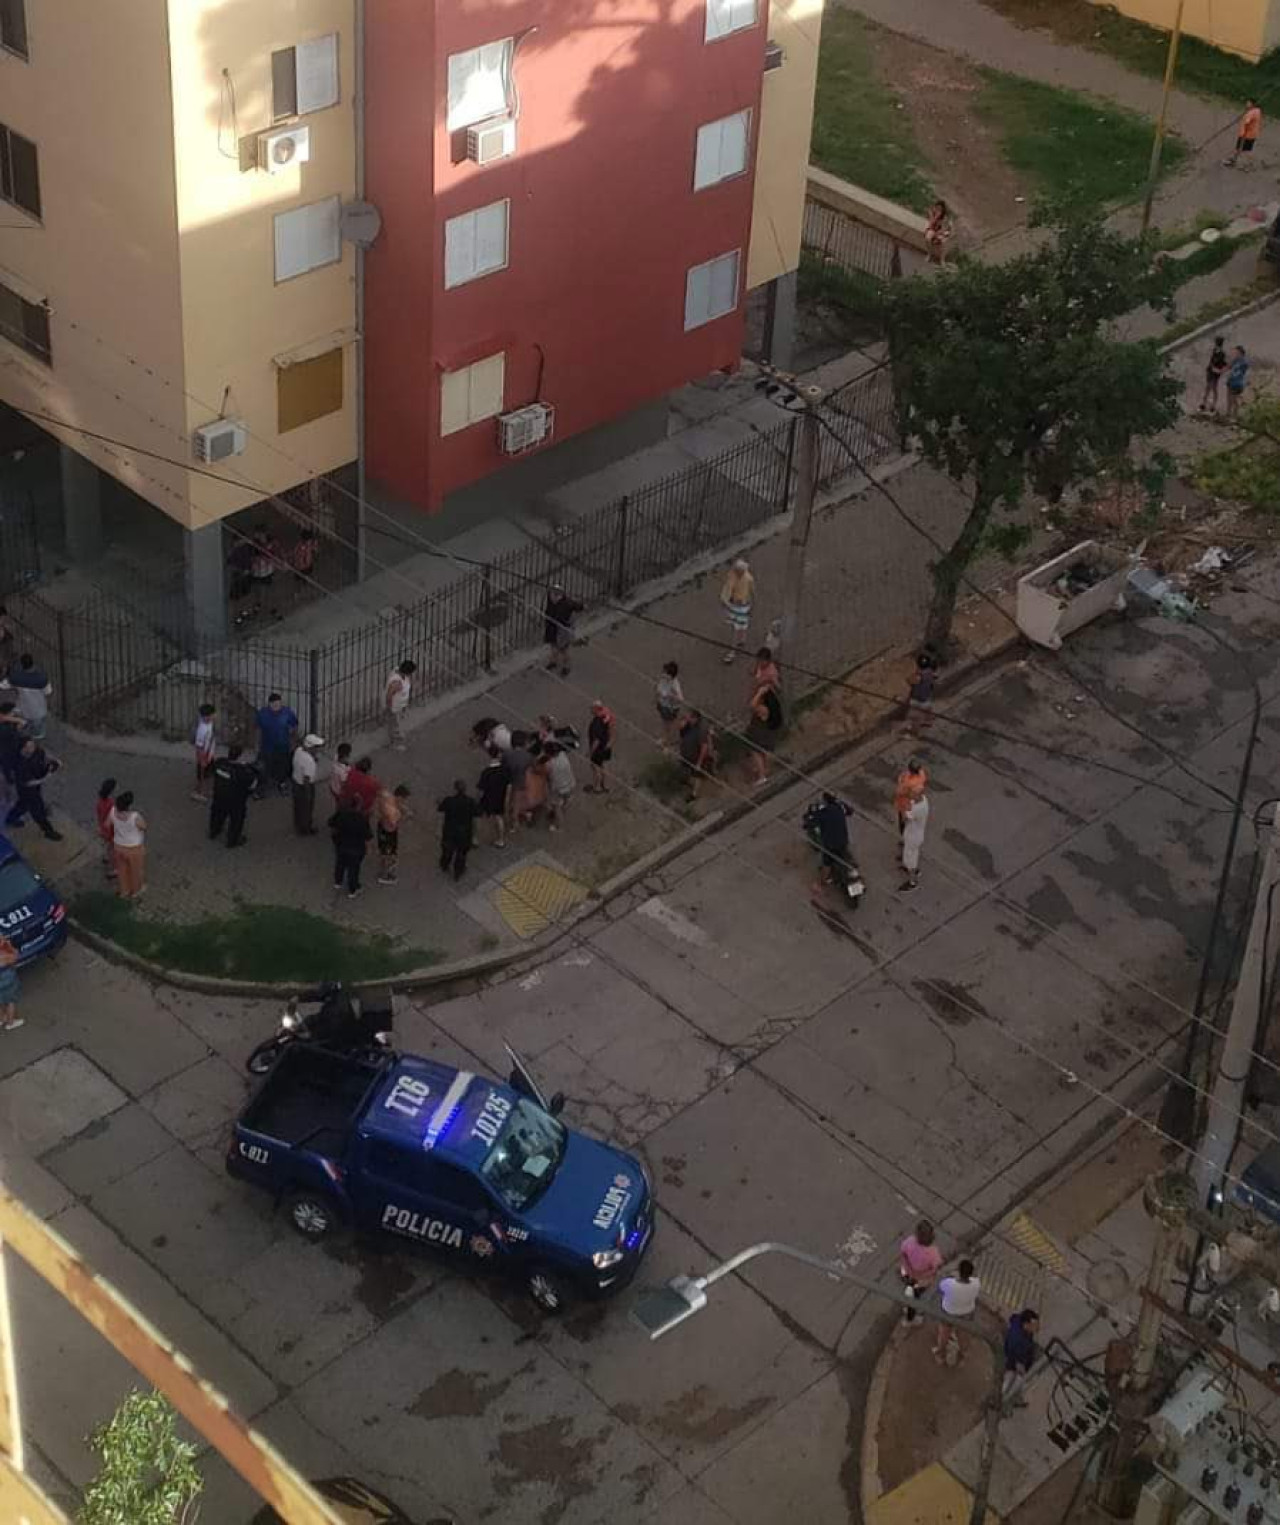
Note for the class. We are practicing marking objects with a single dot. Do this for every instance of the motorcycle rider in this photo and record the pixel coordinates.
(234, 782)
(832, 820)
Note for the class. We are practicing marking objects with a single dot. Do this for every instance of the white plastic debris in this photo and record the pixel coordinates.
(1213, 560)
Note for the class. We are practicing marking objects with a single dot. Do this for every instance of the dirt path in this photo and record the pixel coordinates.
(966, 161)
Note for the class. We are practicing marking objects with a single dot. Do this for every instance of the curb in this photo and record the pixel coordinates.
(478, 966)
(870, 1487)
(1256, 305)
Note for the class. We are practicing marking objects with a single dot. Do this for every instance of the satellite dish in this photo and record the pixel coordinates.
(361, 222)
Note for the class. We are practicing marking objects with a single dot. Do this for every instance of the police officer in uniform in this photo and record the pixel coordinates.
(233, 783)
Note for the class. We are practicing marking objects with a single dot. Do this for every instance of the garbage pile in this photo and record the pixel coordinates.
(1079, 577)
(1179, 594)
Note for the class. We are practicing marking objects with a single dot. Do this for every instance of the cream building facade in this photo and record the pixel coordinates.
(1248, 27)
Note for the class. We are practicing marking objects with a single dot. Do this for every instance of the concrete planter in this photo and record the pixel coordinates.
(1049, 611)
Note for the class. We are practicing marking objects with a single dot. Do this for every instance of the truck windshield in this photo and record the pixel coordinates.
(525, 1155)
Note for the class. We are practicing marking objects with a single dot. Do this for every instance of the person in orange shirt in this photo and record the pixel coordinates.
(912, 782)
(1250, 127)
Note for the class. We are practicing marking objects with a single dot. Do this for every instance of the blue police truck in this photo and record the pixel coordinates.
(481, 1172)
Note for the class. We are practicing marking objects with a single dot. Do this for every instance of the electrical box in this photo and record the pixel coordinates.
(1155, 1502)
(1198, 1399)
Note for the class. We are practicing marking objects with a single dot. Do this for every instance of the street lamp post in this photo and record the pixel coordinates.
(660, 1310)
(1157, 147)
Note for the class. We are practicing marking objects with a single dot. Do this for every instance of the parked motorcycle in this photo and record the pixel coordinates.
(342, 1023)
(845, 873)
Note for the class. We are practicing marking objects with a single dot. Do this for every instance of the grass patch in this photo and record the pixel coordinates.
(857, 296)
(1074, 149)
(253, 942)
(1245, 473)
(1202, 69)
(1210, 257)
(664, 777)
(862, 130)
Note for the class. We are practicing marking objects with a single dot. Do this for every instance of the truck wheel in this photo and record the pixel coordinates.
(547, 1290)
(311, 1214)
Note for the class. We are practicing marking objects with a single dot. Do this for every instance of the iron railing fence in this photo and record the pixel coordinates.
(130, 665)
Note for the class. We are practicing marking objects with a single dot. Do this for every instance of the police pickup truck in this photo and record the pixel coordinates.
(483, 1173)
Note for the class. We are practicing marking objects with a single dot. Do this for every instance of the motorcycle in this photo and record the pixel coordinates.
(342, 1024)
(845, 873)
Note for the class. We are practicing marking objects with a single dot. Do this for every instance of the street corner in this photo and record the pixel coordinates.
(918, 1409)
(929, 1497)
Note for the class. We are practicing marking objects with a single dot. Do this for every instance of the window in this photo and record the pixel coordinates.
(458, 1188)
(307, 238)
(25, 324)
(399, 1166)
(479, 83)
(19, 172)
(725, 16)
(711, 290)
(13, 26)
(722, 150)
(307, 390)
(304, 78)
(472, 394)
(475, 243)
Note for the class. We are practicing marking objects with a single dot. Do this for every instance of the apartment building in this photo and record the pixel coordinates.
(1248, 27)
(276, 237)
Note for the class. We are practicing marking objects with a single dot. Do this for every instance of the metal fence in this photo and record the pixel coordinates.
(114, 669)
(850, 244)
(20, 564)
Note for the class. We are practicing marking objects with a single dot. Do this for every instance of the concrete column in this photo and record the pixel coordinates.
(81, 484)
(206, 581)
(780, 320)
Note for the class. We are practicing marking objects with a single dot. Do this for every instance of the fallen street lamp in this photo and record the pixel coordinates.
(660, 1310)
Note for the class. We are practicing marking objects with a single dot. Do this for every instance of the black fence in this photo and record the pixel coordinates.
(115, 669)
(20, 562)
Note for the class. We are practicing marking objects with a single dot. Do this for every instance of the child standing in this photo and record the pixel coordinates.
(102, 808)
(391, 813)
(204, 739)
(560, 783)
(1213, 374)
(920, 692)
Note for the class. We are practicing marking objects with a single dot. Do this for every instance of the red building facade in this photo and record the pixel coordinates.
(596, 259)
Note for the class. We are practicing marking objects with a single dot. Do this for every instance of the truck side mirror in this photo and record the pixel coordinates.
(556, 1105)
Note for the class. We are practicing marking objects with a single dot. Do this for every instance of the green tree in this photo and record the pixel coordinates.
(1248, 470)
(147, 1473)
(1010, 378)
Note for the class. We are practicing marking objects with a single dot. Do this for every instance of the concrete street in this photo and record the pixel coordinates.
(785, 1074)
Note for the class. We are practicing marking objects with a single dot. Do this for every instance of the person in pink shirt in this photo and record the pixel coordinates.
(919, 1261)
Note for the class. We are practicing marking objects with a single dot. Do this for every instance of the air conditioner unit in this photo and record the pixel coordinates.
(526, 428)
(219, 440)
(492, 140)
(282, 147)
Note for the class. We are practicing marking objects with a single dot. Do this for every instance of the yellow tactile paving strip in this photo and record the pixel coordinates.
(1032, 1239)
(533, 897)
(931, 1497)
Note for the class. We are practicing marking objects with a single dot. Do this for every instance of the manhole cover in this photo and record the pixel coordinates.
(1108, 1281)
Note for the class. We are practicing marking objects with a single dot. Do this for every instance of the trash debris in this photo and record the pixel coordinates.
(1079, 577)
(1213, 560)
(1171, 602)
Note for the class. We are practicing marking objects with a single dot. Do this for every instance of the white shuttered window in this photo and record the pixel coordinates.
(307, 238)
(722, 149)
(475, 243)
(472, 394)
(725, 16)
(479, 81)
(711, 290)
(304, 78)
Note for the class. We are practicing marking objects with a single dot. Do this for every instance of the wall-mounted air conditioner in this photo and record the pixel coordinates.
(492, 141)
(219, 440)
(526, 428)
(282, 147)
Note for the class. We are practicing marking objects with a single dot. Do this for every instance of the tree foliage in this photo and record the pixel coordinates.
(1010, 378)
(1248, 470)
(147, 1473)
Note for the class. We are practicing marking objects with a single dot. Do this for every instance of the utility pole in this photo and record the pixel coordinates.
(1168, 1199)
(1226, 1099)
(1157, 147)
(808, 456)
